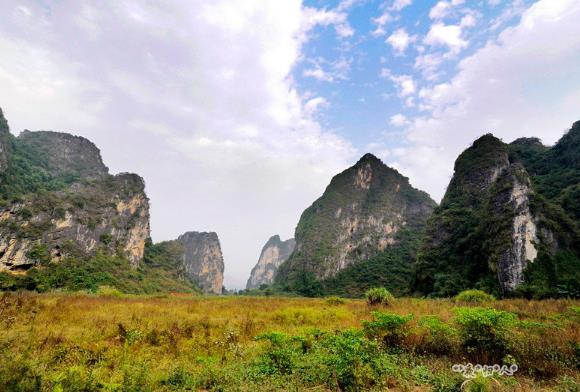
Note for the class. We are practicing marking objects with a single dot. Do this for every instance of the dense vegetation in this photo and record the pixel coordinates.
(159, 273)
(321, 230)
(27, 173)
(473, 224)
(57, 342)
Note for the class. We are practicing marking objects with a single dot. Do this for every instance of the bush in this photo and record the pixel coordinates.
(484, 331)
(108, 291)
(379, 296)
(474, 297)
(441, 339)
(387, 327)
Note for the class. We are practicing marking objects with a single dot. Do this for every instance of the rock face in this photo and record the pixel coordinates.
(110, 214)
(493, 224)
(274, 253)
(63, 153)
(203, 260)
(365, 211)
(59, 201)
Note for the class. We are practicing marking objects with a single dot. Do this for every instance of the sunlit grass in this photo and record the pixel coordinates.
(174, 342)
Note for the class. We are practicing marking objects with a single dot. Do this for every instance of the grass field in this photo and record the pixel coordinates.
(75, 342)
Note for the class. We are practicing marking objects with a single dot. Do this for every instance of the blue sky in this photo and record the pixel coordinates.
(237, 113)
(360, 101)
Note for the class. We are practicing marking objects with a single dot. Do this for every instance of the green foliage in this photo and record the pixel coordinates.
(108, 291)
(89, 274)
(387, 328)
(320, 228)
(474, 297)
(441, 338)
(484, 331)
(39, 254)
(379, 296)
(27, 173)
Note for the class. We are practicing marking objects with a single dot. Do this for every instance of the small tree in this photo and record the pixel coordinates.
(379, 296)
(474, 297)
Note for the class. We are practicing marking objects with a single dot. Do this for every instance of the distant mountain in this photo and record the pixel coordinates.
(508, 222)
(203, 261)
(362, 232)
(66, 223)
(274, 253)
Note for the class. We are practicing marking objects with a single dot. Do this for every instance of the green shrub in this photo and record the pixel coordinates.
(387, 328)
(108, 291)
(334, 300)
(484, 331)
(379, 296)
(474, 297)
(441, 339)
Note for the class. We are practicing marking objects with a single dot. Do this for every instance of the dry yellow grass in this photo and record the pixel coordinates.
(111, 339)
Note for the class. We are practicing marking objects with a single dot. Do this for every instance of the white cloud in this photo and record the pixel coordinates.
(381, 22)
(400, 4)
(506, 87)
(441, 34)
(442, 8)
(318, 73)
(338, 18)
(335, 70)
(195, 96)
(399, 120)
(400, 40)
(428, 64)
(315, 104)
(405, 83)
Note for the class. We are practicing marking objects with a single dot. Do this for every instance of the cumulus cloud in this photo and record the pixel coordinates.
(399, 120)
(443, 8)
(400, 40)
(400, 4)
(381, 22)
(194, 96)
(450, 36)
(405, 84)
(526, 83)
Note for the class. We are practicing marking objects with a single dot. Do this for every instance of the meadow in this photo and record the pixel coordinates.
(113, 342)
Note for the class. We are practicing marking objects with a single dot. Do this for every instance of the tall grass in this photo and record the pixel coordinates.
(88, 342)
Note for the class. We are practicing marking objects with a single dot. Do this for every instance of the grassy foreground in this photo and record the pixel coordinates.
(75, 342)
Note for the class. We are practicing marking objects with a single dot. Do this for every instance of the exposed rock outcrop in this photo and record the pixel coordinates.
(274, 253)
(493, 223)
(58, 200)
(203, 260)
(63, 153)
(362, 213)
(111, 214)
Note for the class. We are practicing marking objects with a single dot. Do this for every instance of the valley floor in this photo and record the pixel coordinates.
(75, 342)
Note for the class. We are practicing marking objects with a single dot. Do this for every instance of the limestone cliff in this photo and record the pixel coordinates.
(493, 224)
(274, 253)
(63, 153)
(203, 260)
(367, 210)
(57, 200)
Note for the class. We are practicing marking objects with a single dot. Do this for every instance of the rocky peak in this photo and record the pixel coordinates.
(65, 154)
(359, 216)
(476, 169)
(203, 260)
(274, 253)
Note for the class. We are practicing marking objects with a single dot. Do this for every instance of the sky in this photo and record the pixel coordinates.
(237, 113)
